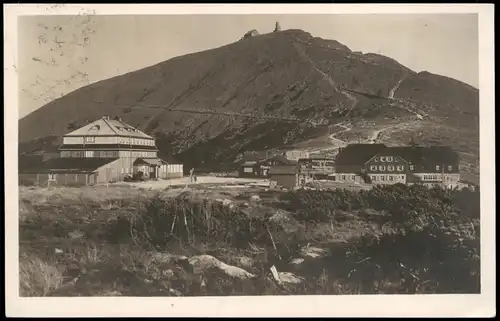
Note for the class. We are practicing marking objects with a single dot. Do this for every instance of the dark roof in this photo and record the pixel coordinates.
(107, 146)
(281, 159)
(283, 170)
(357, 154)
(170, 160)
(70, 165)
(427, 154)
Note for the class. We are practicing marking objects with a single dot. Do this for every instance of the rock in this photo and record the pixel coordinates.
(285, 277)
(255, 198)
(297, 261)
(174, 292)
(313, 252)
(288, 277)
(204, 262)
(111, 293)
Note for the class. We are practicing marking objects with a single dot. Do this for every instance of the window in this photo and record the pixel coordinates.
(89, 139)
(353, 177)
(374, 178)
(381, 168)
(382, 178)
(450, 167)
(375, 159)
(391, 178)
(390, 168)
(412, 167)
(389, 158)
(382, 158)
(52, 177)
(437, 167)
(402, 177)
(247, 170)
(400, 168)
(89, 153)
(343, 177)
(373, 167)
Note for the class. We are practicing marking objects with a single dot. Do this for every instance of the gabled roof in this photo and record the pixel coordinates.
(105, 127)
(357, 154)
(426, 154)
(70, 165)
(283, 170)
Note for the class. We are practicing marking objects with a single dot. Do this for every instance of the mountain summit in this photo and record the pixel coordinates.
(267, 91)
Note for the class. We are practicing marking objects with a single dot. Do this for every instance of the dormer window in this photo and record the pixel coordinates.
(437, 167)
(450, 167)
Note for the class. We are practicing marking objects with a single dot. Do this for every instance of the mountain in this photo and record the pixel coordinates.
(295, 86)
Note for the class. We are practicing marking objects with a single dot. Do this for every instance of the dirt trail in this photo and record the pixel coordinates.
(375, 136)
(326, 76)
(393, 90)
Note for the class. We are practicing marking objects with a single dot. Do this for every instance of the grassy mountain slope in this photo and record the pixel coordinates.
(287, 74)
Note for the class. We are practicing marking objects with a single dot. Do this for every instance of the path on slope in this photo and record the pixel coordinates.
(326, 76)
(375, 136)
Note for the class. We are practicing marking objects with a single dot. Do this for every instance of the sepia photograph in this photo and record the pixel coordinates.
(211, 154)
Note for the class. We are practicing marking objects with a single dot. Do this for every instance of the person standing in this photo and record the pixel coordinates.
(191, 172)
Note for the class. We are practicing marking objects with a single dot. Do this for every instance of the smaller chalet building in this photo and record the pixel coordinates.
(106, 150)
(284, 175)
(310, 169)
(262, 168)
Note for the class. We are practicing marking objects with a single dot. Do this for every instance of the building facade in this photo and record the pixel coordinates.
(284, 176)
(116, 148)
(295, 155)
(311, 169)
(378, 164)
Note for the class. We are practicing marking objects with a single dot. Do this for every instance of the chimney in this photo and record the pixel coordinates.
(118, 118)
(105, 117)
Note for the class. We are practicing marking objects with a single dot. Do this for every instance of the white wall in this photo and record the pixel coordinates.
(97, 140)
(396, 178)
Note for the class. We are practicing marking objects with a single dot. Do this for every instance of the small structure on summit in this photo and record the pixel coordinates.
(251, 33)
(277, 27)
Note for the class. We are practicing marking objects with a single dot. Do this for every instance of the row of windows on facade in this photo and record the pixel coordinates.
(320, 164)
(387, 159)
(125, 140)
(394, 177)
(104, 154)
(400, 168)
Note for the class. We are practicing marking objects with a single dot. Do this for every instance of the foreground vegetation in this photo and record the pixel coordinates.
(394, 239)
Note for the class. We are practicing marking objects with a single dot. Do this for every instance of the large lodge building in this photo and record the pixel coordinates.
(378, 164)
(103, 151)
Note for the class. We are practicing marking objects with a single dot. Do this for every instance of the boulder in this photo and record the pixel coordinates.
(313, 252)
(205, 262)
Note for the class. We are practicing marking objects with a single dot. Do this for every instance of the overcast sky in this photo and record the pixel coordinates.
(58, 54)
